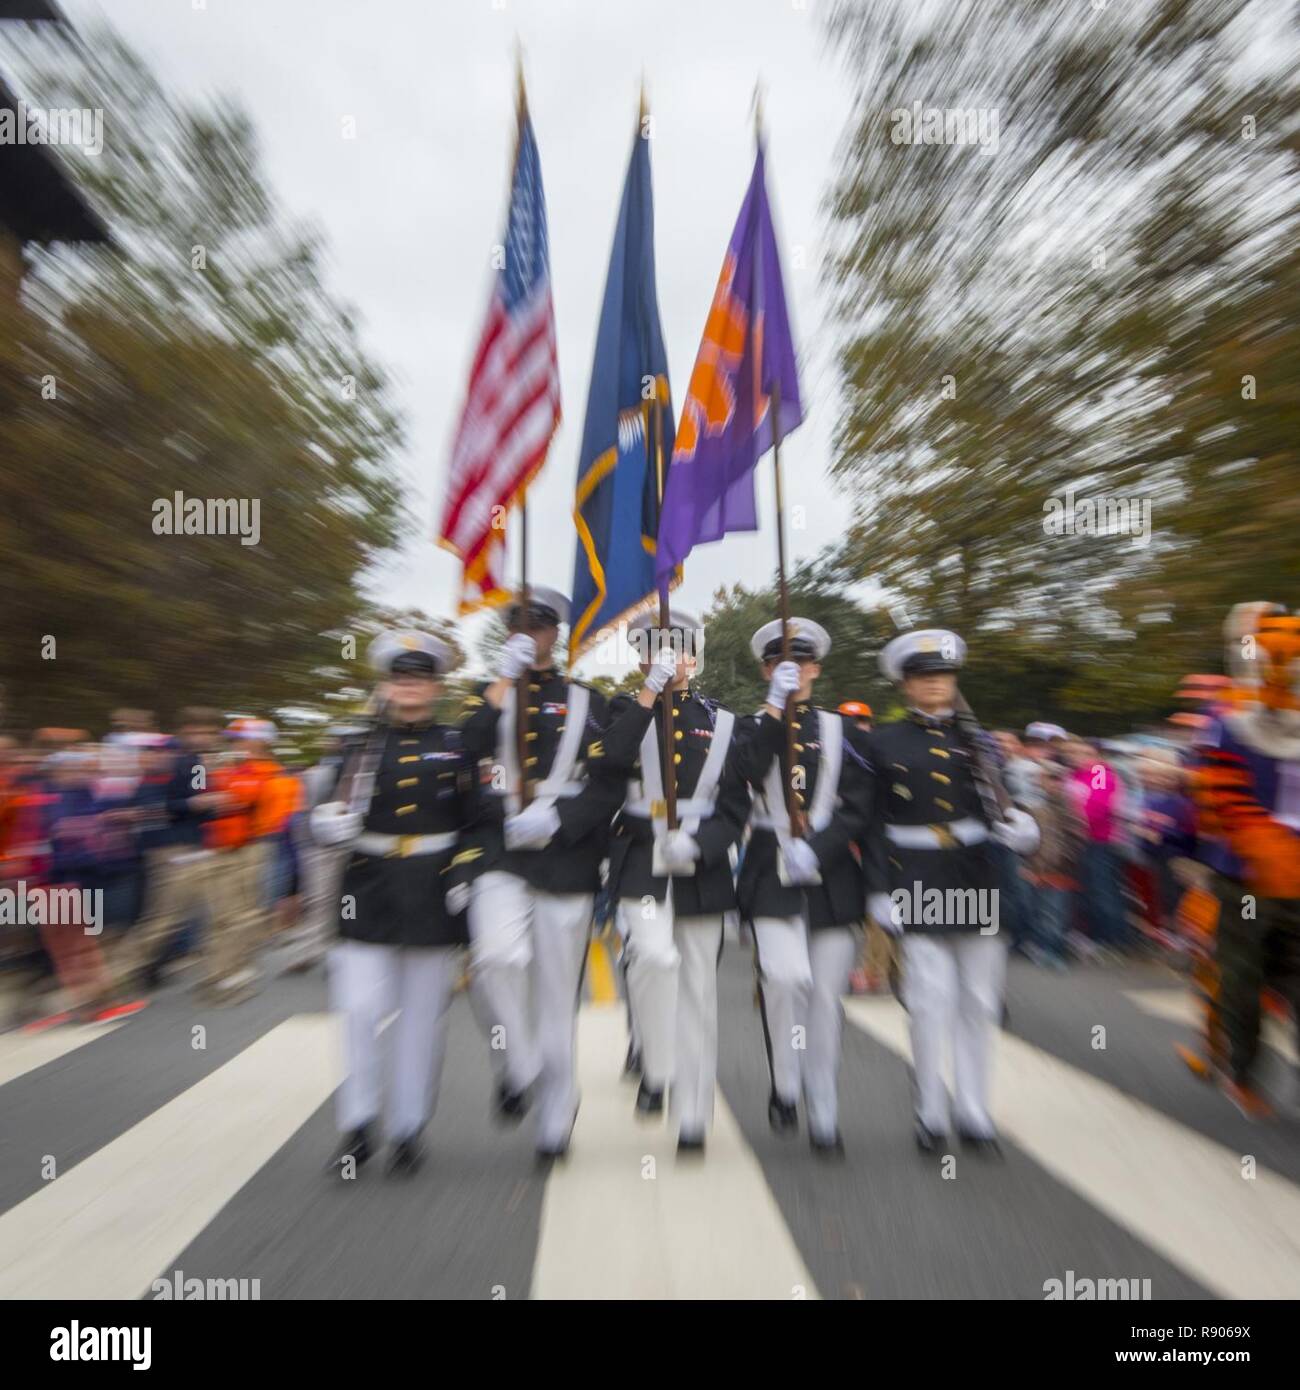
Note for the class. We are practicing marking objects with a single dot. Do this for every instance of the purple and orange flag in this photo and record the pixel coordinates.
(726, 422)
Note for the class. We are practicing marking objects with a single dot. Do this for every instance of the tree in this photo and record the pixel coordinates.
(1073, 305)
(202, 354)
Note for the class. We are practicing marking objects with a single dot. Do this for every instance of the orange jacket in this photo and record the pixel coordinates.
(267, 796)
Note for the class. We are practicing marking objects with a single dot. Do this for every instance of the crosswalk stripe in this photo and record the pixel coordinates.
(24, 1052)
(1177, 1191)
(107, 1227)
(1178, 1006)
(623, 1218)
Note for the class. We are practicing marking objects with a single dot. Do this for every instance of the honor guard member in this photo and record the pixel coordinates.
(536, 868)
(932, 877)
(406, 792)
(803, 896)
(673, 887)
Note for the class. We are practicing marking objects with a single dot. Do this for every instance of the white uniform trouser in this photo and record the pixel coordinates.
(804, 975)
(672, 978)
(953, 987)
(624, 959)
(515, 929)
(367, 983)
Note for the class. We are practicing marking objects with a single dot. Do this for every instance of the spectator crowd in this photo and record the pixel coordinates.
(121, 858)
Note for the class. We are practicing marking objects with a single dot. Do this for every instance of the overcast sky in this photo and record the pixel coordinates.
(413, 205)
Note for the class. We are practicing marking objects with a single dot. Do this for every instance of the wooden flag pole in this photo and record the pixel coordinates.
(795, 812)
(669, 733)
(523, 681)
(798, 821)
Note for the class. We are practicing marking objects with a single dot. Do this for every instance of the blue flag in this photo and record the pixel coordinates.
(627, 440)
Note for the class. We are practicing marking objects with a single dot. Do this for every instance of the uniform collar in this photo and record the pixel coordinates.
(931, 721)
(420, 727)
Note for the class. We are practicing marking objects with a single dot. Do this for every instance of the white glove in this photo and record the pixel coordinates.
(678, 849)
(1018, 832)
(663, 671)
(533, 827)
(456, 898)
(517, 656)
(785, 681)
(802, 869)
(884, 914)
(333, 824)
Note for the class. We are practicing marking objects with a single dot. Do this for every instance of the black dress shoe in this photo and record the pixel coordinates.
(690, 1145)
(406, 1157)
(649, 1102)
(983, 1145)
(509, 1106)
(632, 1062)
(355, 1146)
(782, 1115)
(832, 1148)
(928, 1141)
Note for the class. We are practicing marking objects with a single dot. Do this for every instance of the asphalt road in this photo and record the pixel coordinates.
(194, 1140)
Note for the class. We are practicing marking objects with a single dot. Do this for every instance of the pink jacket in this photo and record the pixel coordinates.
(1098, 796)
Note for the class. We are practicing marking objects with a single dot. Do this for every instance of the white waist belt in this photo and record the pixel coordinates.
(962, 832)
(686, 806)
(557, 787)
(404, 845)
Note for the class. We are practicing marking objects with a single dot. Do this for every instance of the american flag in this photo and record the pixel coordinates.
(512, 406)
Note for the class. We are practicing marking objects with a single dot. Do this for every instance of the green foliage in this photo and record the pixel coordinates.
(1079, 306)
(201, 354)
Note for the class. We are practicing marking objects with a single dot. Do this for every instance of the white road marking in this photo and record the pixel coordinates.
(1180, 1193)
(622, 1217)
(109, 1226)
(24, 1052)
(1178, 1006)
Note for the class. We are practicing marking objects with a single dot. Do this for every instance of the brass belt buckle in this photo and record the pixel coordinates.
(658, 809)
(947, 840)
(406, 845)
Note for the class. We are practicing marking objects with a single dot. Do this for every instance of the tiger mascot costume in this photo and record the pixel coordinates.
(1246, 784)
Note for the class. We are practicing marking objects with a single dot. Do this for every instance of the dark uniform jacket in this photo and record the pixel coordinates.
(839, 900)
(923, 777)
(711, 888)
(571, 862)
(425, 784)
